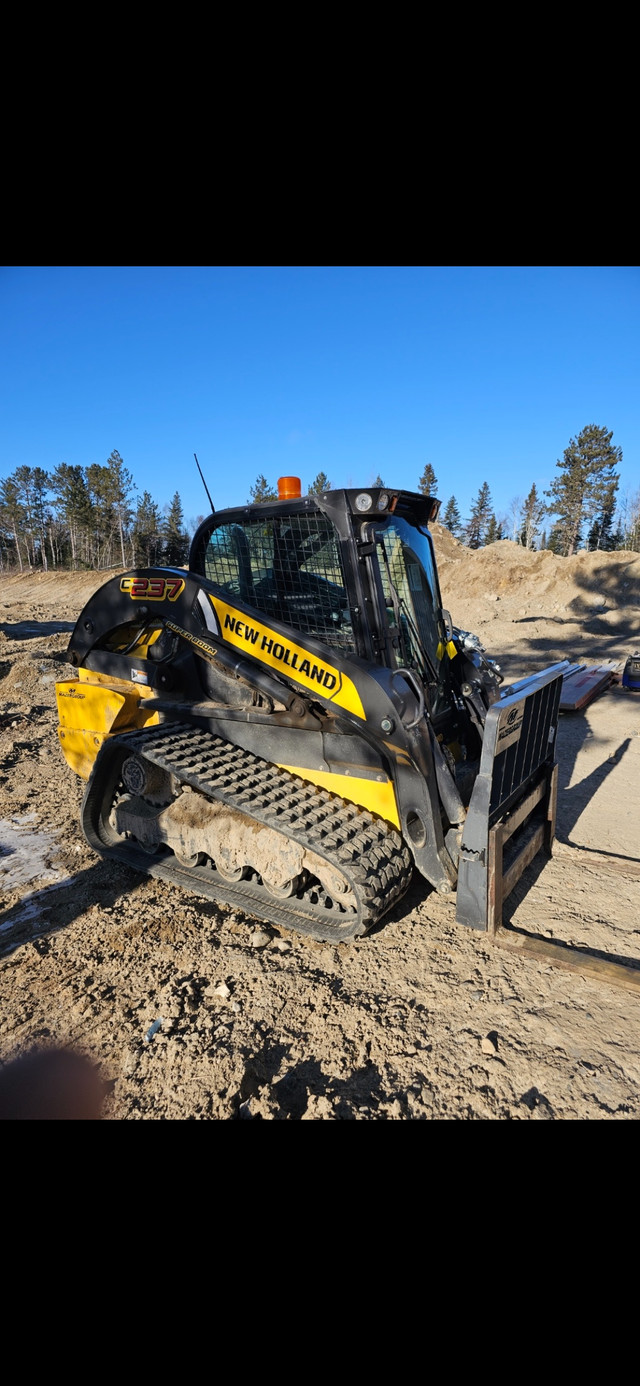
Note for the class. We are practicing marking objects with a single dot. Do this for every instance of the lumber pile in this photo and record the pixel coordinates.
(582, 682)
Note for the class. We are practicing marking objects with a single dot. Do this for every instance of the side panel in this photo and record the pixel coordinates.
(377, 797)
(290, 659)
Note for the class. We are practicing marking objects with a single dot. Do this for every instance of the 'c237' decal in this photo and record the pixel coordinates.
(274, 649)
(152, 589)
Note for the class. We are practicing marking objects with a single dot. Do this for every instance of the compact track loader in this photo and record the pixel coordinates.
(293, 725)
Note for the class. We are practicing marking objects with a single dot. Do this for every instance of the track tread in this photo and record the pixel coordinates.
(369, 851)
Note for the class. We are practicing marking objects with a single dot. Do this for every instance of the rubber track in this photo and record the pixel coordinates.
(369, 852)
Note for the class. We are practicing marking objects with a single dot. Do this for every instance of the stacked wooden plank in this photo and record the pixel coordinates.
(582, 682)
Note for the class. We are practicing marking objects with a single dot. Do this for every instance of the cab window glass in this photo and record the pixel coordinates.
(407, 571)
(288, 568)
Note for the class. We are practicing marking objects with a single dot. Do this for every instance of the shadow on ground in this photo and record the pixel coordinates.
(290, 1093)
(30, 630)
(47, 911)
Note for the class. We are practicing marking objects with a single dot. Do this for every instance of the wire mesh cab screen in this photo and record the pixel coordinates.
(287, 567)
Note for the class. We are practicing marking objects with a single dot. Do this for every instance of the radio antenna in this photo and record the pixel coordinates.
(213, 509)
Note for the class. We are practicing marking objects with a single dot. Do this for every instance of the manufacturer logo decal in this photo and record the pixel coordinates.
(290, 659)
(152, 589)
(510, 727)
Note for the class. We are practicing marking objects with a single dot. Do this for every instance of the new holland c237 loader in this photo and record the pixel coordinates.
(292, 724)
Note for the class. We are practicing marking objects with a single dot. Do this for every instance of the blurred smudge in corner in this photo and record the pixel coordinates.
(51, 1085)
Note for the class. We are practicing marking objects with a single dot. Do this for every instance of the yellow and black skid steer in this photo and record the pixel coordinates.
(293, 725)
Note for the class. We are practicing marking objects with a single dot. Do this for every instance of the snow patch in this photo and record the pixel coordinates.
(25, 855)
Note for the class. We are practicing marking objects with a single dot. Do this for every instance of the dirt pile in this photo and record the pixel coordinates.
(542, 605)
(585, 584)
(42, 590)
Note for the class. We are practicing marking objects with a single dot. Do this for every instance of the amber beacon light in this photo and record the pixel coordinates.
(289, 488)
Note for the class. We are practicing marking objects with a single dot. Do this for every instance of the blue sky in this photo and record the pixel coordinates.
(485, 372)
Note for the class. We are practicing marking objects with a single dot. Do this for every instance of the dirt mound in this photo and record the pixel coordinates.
(527, 607)
(446, 546)
(506, 571)
(48, 589)
(585, 584)
(548, 607)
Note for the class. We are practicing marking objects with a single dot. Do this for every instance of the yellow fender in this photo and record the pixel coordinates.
(94, 707)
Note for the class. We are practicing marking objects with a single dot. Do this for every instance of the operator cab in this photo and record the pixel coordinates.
(353, 569)
(286, 563)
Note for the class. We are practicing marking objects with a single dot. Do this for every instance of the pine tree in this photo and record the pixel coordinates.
(148, 532)
(427, 483)
(451, 518)
(618, 537)
(262, 492)
(13, 516)
(543, 540)
(377, 481)
(601, 535)
(494, 530)
(176, 539)
(586, 481)
(104, 520)
(120, 483)
(22, 481)
(6, 544)
(320, 484)
(40, 485)
(23, 477)
(73, 506)
(533, 510)
(480, 516)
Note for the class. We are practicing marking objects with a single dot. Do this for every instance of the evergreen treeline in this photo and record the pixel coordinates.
(581, 508)
(581, 504)
(86, 517)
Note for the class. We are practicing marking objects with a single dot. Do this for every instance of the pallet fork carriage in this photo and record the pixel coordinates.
(294, 725)
(512, 812)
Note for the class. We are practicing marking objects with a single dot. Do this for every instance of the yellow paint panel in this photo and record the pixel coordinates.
(90, 676)
(93, 707)
(80, 749)
(122, 642)
(370, 794)
(296, 663)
